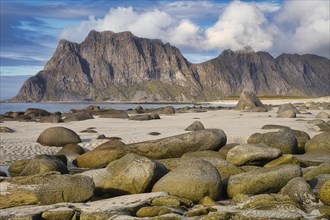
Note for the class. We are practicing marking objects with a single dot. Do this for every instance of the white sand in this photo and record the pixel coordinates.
(237, 125)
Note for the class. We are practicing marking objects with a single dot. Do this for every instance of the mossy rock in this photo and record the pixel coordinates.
(325, 193)
(323, 168)
(152, 211)
(172, 201)
(284, 159)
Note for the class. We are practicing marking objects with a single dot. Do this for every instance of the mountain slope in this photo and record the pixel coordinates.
(123, 67)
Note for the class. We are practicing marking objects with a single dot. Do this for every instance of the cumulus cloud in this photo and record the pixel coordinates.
(294, 27)
(304, 27)
(241, 24)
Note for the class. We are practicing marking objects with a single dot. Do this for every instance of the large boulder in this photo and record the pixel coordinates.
(286, 107)
(176, 146)
(71, 149)
(287, 114)
(45, 189)
(79, 116)
(325, 193)
(102, 155)
(193, 181)
(284, 141)
(58, 136)
(132, 174)
(51, 119)
(263, 180)
(17, 167)
(249, 101)
(113, 113)
(43, 164)
(320, 142)
(299, 190)
(322, 115)
(36, 112)
(252, 154)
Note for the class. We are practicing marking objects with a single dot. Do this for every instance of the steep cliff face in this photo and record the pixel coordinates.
(123, 67)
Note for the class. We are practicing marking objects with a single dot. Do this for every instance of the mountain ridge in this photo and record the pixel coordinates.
(110, 66)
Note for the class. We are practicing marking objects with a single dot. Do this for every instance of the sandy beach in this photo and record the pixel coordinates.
(238, 126)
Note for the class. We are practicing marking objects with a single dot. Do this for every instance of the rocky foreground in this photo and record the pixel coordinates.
(281, 173)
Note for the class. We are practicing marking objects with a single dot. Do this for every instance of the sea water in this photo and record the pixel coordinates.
(66, 107)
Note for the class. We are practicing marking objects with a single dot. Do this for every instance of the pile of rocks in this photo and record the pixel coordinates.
(195, 175)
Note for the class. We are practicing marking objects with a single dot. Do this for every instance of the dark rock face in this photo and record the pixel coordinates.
(122, 67)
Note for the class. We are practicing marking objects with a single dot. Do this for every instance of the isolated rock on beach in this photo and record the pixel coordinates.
(6, 129)
(287, 114)
(195, 126)
(322, 115)
(58, 136)
(44, 189)
(193, 181)
(252, 154)
(286, 107)
(263, 180)
(249, 101)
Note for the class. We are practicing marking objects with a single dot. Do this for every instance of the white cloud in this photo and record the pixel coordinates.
(294, 27)
(241, 24)
(304, 27)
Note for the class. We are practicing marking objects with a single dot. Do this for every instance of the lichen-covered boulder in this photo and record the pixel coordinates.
(284, 141)
(43, 164)
(193, 181)
(325, 193)
(263, 180)
(101, 156)
(299, 190)
(320, 142)
(252, 154)
(284, 159)
(45, 189)
(58, 136)
(132, 174)
(323, 168)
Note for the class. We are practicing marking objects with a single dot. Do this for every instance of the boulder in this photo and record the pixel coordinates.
(224, 150)
(323, 168)
(325, 193)
(17, 167)
(290, 113)
(248, 101)
(112, 113)
(51, 119)
(284, 141)
(320, 142)
(102, 155)
(263, 180)
(284, 159)
(313, 158)
(302, 138)
(153, 211)
(6, 130)
(193, 181)
(58, 136)
(299, 190)
(195, 126)
(286, 107)
(132, 174)
(71, 149)
(322, 115)
(45, 189)
(79, 116)
(144, 117)
(36, 112)
(252, 154)
(43, 164)
(23, 118)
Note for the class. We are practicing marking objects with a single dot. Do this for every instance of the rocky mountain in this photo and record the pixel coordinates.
(123, 67)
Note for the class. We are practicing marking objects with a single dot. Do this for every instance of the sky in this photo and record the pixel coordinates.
(31, 29)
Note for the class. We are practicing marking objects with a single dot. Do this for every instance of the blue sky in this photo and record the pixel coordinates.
(31, 29)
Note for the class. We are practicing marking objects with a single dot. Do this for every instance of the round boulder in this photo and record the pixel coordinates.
(287, 114)
(299, 190)
(322, 115)
(193, 181)
(58, 136)
(320, 142)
